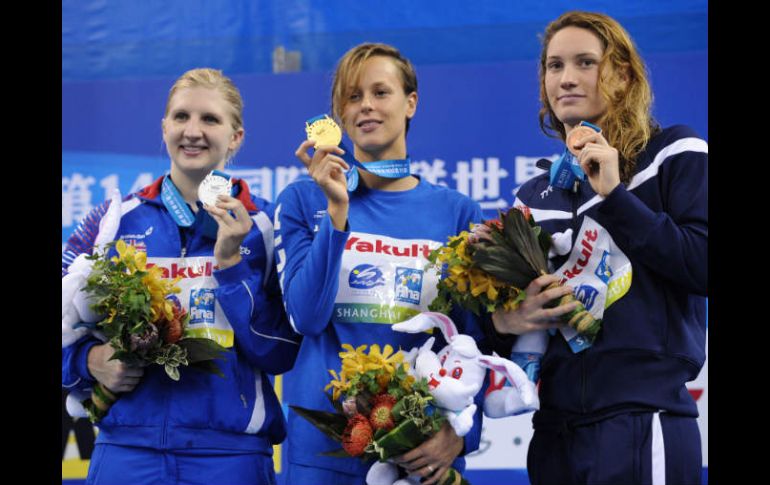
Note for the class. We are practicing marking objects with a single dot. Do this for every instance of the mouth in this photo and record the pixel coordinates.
(570, 97)
(192, 150)
(368, 125)
(433, 383)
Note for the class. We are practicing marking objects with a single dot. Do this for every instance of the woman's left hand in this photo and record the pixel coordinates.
(434, 457)
(232, 230)
(600, 162)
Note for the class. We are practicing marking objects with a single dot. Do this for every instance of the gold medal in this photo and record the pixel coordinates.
(575, 135)
(324, 132)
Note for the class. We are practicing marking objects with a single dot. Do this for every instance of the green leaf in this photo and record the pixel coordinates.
(330, 424)
(172, 371)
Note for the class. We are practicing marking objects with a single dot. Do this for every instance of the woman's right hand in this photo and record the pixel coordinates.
(327, 169)
(531, 314)
(115, 375)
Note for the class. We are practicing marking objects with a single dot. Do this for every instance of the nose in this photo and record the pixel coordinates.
(568, 78)
(192, 129)
(366, 102)
(442, 372)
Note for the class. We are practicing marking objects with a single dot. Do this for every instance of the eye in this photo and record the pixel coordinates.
(380, 93)
(457, 372)
(181, 116)
(354, 97)
(554, 65)
(443, 359)
(211, 119)
(587, 62)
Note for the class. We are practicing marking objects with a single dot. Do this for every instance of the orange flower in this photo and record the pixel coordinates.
(357, 435)
(381, 416)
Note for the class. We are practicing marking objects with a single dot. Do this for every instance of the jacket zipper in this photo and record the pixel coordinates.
(575, 229)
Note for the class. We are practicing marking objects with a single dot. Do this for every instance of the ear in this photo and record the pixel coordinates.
(237, 139)
(163, 126)
(411, 101)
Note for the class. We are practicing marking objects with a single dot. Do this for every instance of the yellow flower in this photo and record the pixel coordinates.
(483, 283)
(384, 359)
(339, 383)
(159, 289)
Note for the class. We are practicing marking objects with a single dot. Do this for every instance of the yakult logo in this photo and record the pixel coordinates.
(413, 250)
(185, 271)
(585, 255)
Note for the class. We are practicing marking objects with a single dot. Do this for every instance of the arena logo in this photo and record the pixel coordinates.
(365, 276)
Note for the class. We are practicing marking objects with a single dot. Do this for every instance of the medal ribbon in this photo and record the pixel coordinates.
(180, 211)
(392, 169)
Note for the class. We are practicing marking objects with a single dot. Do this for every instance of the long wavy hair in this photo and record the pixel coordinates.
(627, 124)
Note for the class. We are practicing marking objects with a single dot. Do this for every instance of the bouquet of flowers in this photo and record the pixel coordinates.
(381, 410)
(141, 320)
(491, 270)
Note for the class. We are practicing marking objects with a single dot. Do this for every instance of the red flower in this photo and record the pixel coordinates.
(381, 416)
(494, 223)
(357, 435)
(524, 210)
(173, 329)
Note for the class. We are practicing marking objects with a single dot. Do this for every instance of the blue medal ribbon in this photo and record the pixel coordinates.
(175, 203)
(392, 169)
(566, 169)
(181, 212)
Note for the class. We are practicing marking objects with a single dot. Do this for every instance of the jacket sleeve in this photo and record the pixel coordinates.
(253, 306)
(673, 242)
(308, 263)
(74, 357)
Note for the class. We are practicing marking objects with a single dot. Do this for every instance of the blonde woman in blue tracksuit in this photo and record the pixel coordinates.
(204, 428)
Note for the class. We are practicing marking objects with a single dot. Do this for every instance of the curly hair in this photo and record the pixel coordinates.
(627, 123)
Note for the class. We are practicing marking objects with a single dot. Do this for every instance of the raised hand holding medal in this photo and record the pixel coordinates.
(232, 218)
(598, 160)
(326, 166)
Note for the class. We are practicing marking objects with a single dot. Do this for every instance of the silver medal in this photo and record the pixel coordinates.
(212, 186)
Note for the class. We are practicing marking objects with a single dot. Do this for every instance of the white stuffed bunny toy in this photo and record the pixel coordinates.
(455, 375)
(75, 303)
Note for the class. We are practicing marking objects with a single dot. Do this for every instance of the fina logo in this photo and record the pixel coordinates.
(365, 276)
(603, 270)
(587, 295)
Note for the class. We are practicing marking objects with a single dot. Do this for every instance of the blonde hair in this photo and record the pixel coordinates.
(627, 123)
(348, 73)
(213, 79)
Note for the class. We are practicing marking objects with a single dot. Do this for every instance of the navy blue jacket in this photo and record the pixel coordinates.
(652, 340)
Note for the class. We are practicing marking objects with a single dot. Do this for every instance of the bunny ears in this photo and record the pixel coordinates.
(426, 321)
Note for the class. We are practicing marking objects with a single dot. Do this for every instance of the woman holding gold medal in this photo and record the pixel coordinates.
(198, 223)
(632, 227)
(351, 248)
